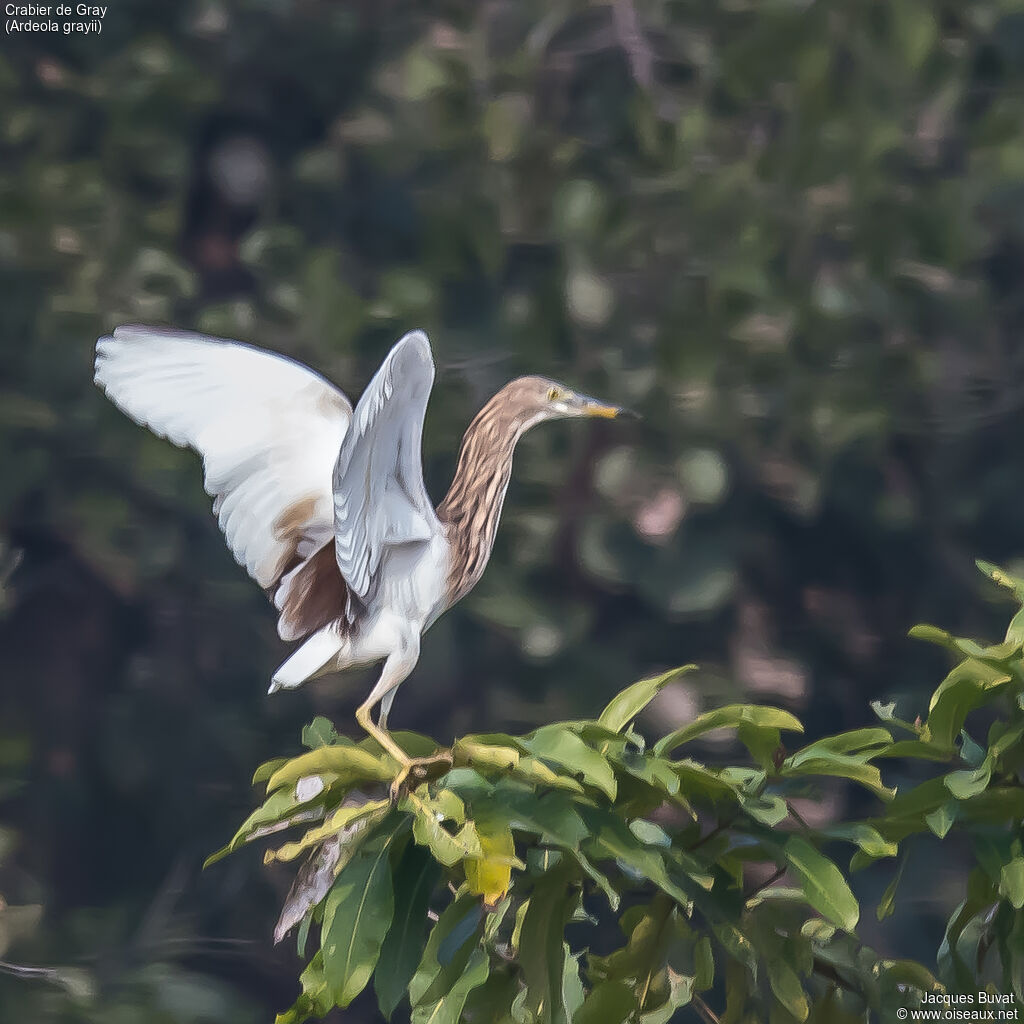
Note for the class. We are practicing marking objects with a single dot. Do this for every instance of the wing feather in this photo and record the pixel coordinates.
(379, 496)
(268, 429)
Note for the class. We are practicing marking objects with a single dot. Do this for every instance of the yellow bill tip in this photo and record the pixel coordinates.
(607, 412)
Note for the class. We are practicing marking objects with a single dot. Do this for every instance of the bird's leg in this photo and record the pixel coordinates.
(380, 733)
(397, 666)
(385, 708)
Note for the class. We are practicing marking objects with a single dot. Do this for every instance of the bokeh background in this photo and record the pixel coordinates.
(791, 233)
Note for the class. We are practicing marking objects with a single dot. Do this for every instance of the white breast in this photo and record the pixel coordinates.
(413, 583)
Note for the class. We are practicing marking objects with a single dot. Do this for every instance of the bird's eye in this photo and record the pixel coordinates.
(553, 395)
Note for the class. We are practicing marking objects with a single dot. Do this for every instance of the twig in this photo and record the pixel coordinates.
(705, 1011)
(720, 827)
(797, 817)
(770, 880)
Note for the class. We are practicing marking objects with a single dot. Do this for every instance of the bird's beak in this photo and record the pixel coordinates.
(592, 407)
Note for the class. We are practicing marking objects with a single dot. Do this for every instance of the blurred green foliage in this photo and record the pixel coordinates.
(474, 894)
(791, 234)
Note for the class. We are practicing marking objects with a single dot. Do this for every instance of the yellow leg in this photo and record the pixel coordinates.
(381, 735)
(406, 763)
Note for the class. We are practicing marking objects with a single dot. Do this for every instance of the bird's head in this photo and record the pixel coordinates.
(537, 399)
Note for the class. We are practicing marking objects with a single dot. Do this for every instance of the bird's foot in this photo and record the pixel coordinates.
(420, 769)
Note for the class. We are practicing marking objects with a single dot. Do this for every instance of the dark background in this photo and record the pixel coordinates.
(790, 233)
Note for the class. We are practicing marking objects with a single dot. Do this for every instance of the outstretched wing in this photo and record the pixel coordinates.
(268, 428)
(379, 497)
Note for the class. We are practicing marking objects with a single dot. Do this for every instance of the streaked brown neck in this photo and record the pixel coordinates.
(472, 507)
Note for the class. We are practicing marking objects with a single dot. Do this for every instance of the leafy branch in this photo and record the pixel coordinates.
(457, 895)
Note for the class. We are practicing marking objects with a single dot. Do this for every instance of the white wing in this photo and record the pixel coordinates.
(268, 428)
(379, 497)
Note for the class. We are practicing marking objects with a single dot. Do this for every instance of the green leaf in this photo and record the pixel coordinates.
(852, 742)
(452, 941)
(998, 804)
(899, 974)
(765, 808)
(448, 1009)
(572, 985)
(965, 784)
(541, 946)
(344, 759)
(415, 877)
(981, 894)
(610, 1002)
(316, 999)
(680, 993)
(267, 769)
(970, 684)
(349, 823)
(319, 733)
(1002, 738)
(734, 942)
(553, 816)
(930, 634)
(778, 894)
(817, 930)
(970, 751)
(302, 936)
(624, 707)
(538, 773)
(655, 771)
(730, 716)
(703, 965)
(993, 849)
(963, 645)
(1012, 583)
(611, 837)
(940, 821)
(699, 782)
(278, 812)
(554, 819)
(845, 766)
(914, 803)
(919, 749)
(647, 927)
(485, 755)
(763, 743)
(557, 744)
(357, 916)
(1011, 882)
(785, 984)
(493, 1000)
(869, 839)
(737, 987)
(430, 813)
(822, 882)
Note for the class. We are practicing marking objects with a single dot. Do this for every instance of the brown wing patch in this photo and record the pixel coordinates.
(290, 524)
(317, 595)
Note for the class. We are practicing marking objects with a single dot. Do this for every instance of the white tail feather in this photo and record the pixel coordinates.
(308, 660)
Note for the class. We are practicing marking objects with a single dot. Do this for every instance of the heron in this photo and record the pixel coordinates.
(324, 504)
